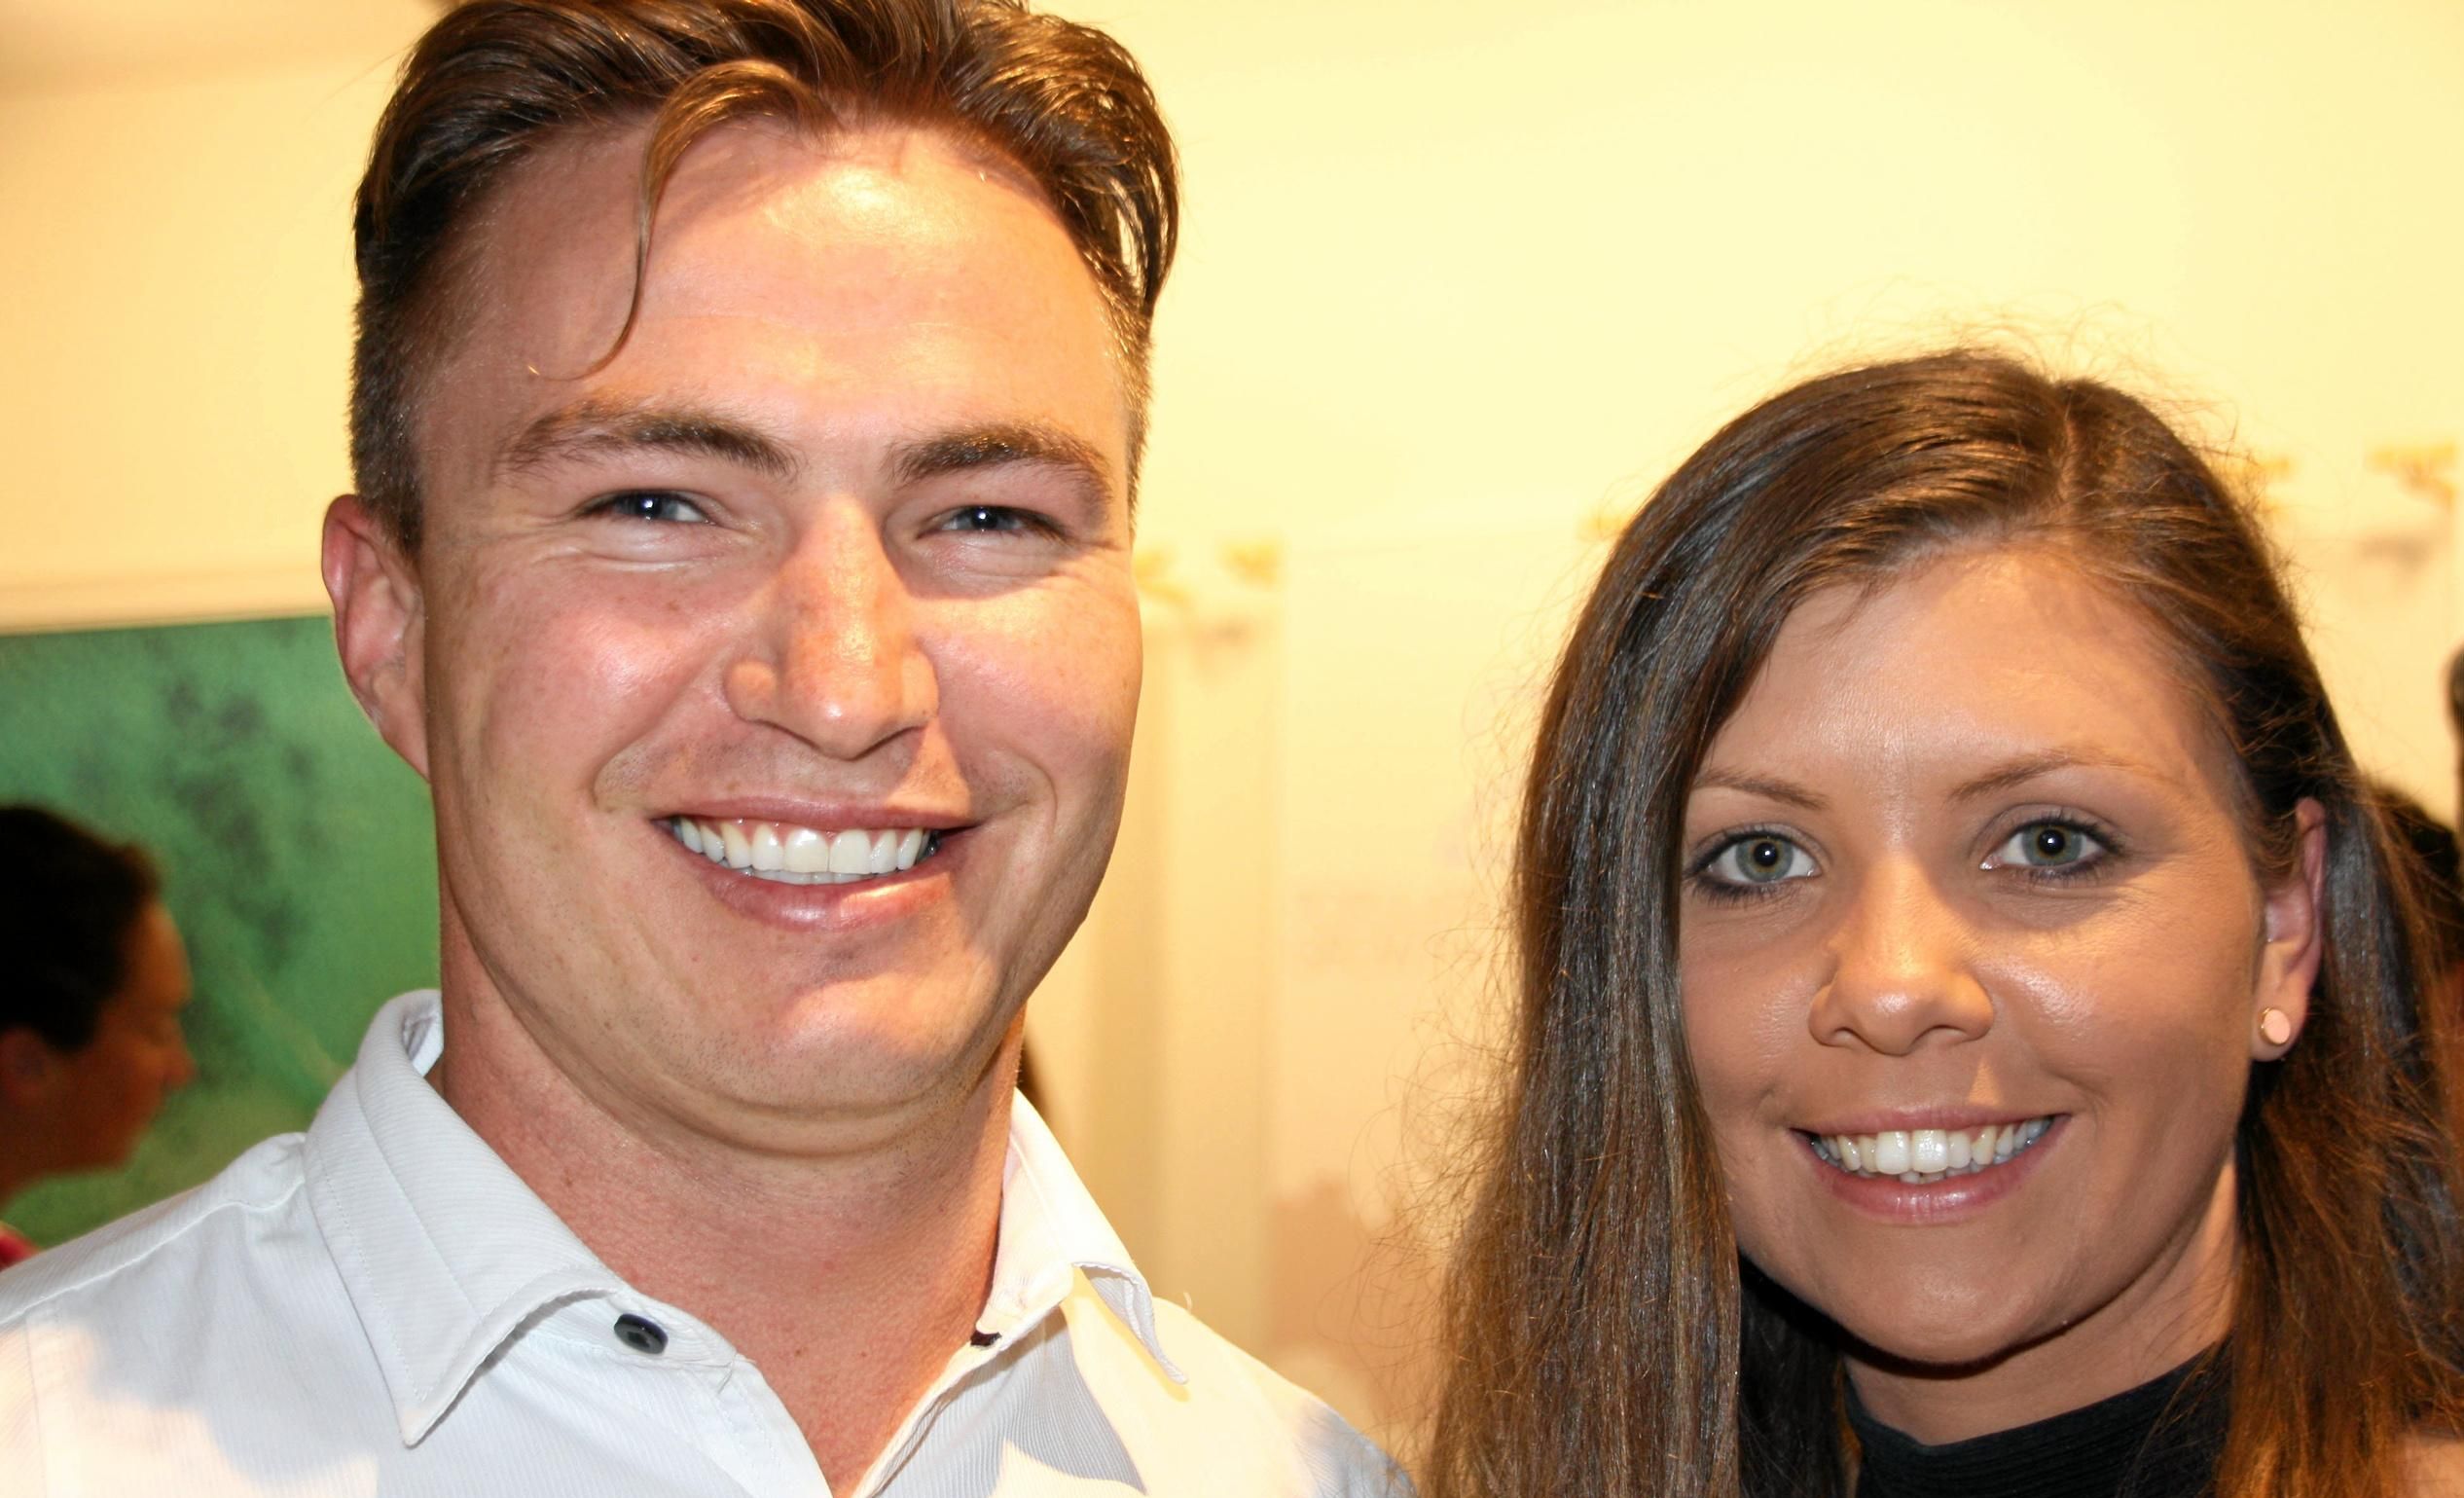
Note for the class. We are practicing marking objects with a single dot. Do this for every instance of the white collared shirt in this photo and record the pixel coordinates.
(379, 1307)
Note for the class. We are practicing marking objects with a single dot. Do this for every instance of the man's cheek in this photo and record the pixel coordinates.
(541, 677)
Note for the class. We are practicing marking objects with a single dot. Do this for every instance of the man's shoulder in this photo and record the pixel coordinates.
(165, 1241)
(206, 1345)
(1227, 1401)
(1221, 1367)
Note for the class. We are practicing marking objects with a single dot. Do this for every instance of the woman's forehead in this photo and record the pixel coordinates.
(1968, 659)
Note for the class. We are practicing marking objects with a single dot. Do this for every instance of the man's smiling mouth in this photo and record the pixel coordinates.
(1923, 1156)
(786, 853)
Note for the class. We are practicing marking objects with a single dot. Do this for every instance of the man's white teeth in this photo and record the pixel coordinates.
(1923, 1156)
(791, 854)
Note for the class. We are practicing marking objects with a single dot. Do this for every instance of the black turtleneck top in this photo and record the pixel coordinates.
(2141, 1442)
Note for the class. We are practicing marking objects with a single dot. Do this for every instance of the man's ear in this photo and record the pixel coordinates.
(380, 615)
(2296, 939)
(29, 1068)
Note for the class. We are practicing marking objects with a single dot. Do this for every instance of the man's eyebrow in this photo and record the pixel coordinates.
(2017, 771)
(1766, 787)
(1008, 442)
(595, 427)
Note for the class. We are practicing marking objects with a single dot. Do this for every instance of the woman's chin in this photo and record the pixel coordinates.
(1947, 1352)
(1933, 1335)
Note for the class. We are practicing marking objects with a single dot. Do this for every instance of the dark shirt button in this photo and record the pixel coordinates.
(640, 1334)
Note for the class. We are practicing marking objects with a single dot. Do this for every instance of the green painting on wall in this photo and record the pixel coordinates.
(296, 852)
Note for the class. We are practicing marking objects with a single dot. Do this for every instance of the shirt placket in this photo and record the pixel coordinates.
(1004, 1322)
(749, 1434)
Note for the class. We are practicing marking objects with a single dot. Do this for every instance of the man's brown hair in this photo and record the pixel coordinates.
(497, 80)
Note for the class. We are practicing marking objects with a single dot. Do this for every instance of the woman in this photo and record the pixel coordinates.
(1969, 1036)
(93, 980)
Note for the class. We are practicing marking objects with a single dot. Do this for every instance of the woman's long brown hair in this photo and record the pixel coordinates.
(1605, 1336)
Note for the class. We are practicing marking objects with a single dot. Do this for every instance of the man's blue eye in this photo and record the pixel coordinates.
(993, 517)
(650, 504)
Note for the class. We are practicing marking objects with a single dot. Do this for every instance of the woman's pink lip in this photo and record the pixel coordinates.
(1908, 1119)
(1951, 1199)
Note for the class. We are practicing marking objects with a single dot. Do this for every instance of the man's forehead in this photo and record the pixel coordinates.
(586, 187)
(893, 270)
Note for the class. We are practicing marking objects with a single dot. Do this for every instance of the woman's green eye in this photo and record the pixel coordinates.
(1760, 859)
(2049, 845)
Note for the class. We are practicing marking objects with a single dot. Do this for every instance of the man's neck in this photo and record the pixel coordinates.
(849, 1278)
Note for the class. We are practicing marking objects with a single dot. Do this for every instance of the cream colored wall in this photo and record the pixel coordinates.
(1457, 281)
(177, 328)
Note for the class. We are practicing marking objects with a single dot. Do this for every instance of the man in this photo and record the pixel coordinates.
(746, 415)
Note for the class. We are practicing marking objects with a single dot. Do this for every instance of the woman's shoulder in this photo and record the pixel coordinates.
(2433, 1467)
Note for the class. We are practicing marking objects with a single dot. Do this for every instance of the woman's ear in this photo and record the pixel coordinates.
(2296, 941)
(378, 617)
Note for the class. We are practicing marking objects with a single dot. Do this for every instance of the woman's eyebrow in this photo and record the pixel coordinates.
(1770, 787)
(2003, 777)
(2017, 771)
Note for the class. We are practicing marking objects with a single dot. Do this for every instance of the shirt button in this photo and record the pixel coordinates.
(640, 1334)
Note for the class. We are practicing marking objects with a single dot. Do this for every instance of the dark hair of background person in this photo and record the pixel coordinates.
(1605, 1337)
(2455, 716)
(68, 902)
(497, 81)
(2437, 866)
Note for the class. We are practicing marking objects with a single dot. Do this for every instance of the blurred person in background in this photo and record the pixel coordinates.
(2438, 867)
(90, 1006)
(2437, 864)
(2455, 716)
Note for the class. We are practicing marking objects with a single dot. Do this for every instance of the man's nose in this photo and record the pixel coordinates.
(1901, 973)
(832, 655)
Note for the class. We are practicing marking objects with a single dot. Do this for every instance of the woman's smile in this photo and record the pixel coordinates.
(1925, 1156)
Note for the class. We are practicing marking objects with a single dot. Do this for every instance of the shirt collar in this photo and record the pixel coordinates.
(447, 1254)
(443, 1249)
(1051, 1232)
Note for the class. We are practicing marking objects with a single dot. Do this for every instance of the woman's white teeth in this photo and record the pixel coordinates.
(1923, 1156)
(791, 854)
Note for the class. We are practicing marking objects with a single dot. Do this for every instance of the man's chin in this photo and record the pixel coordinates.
(853, 1078)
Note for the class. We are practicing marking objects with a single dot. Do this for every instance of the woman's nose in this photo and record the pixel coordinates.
(1901, 973)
